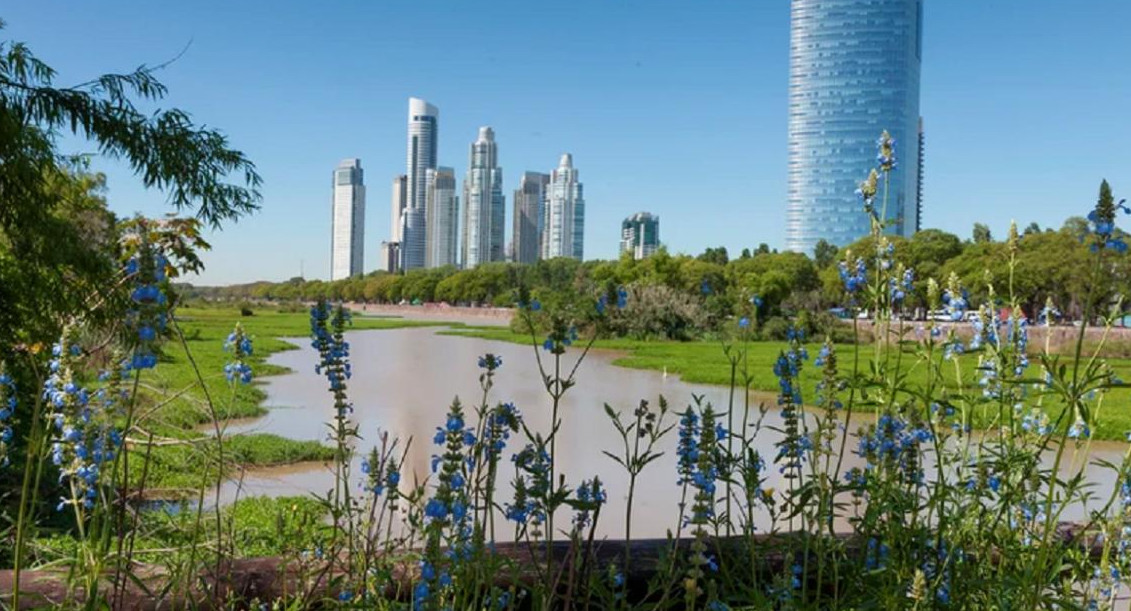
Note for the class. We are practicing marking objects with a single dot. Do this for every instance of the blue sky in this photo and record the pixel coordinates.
(675, 107)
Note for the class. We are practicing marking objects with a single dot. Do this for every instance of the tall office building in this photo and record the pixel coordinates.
(347, 242)
(442, 218)
(529, 200)
(422, 137)
(398, 204)
(853, 72)
(640, 234)
(919, 181)
(484, 207)
(390, 257)
(563, 223)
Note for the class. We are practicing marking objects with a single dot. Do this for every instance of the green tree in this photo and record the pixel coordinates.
(824, 254)
(981, 234)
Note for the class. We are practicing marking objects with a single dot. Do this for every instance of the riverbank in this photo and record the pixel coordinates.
(704, 362)
(184, 396)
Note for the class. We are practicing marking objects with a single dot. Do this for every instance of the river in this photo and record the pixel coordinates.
(404, 380)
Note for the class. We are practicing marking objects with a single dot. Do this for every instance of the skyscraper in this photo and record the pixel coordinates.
(563, 224)
(484, 207)
(854, 72)
(640, 234)
(529, 200)
(442, 208)
(347, 242)
(398, 204)
(422, 136)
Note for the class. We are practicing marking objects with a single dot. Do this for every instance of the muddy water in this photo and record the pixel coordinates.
(405, 379)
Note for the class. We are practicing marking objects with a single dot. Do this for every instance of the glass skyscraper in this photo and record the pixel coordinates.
(484, 207)
(563, 223)
(347, 241)
(421, 157)
(442, 212)
(529, 200)
(853, 72)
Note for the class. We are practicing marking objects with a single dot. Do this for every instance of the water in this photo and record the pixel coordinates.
(405, 379)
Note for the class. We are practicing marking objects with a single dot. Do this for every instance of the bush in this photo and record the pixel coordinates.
(659, 311)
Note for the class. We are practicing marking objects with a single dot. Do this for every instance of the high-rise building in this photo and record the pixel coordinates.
(640, 234)
(484, 207)
(854, 72)
(442, 218)
(390, 256)
(422, 138)
(399, 203)
(347, 242)
(563, 224)
(529, 200)
(919, 181)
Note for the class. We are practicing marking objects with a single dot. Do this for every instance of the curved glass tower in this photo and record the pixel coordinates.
(853, 72)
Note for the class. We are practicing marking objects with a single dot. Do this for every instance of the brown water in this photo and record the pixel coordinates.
(405, 379)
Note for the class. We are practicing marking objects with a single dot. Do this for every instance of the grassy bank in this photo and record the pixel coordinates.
(703, 362)
(188, 389)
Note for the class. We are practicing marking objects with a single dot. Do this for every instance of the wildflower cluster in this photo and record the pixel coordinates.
(531, 485)
(147, 316)
(503, 420)
(853, 274)
(795, 444)
(588, 498)
(84, 437)
(381, 473)
(327, 328)
(8, 404)
(1102, 222)
(239, 344)
(448, 512)
(894, 445)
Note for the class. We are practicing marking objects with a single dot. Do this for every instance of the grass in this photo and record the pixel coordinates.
(175, 405)
(703, 362)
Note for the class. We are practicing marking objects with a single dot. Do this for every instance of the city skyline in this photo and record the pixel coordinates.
(629, 100)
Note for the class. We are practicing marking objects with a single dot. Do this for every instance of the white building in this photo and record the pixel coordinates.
(347, 242)
(422, 138)
(442, 218)
(563, 227)
(484, 207)
(640, 235)
(398, 203)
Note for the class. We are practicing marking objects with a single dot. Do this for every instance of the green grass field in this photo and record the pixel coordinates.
(704, 362)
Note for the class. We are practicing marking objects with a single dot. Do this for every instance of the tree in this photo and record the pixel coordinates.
(982, 234)
(1031, 229)
(745, 253)
(715, 255)
(824, 254)
(763, 249)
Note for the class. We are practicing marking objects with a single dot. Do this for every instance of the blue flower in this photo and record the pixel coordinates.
(743, 322)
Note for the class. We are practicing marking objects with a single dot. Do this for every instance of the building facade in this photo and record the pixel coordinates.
(563, 223)
(484, 207)
(390, 257)
(422, 142)
(529, 201)
(398, 203)
(640, 234)
(854, 72)
(442, 218)
(347, 242)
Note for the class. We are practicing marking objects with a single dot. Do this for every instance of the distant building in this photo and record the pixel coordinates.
(442, 218)
(484, 207)
(347, 242)
(640, 234)
(563, 223)
(422, 142)
(398, 203)
(919, 182)
(529, 202)
(390, 257)
(853, 72)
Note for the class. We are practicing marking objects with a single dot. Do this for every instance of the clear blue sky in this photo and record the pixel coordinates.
(675, 107)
